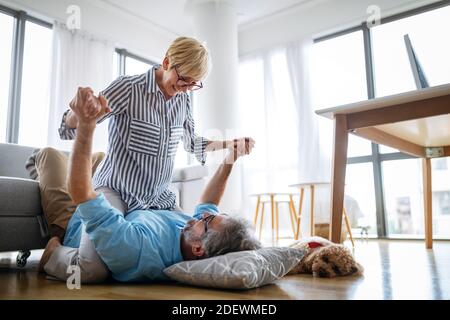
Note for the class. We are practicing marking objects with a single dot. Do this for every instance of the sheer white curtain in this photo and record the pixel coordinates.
(314, 157)
(277, 110)
(268, 114)
(314, 164)
(79, 60)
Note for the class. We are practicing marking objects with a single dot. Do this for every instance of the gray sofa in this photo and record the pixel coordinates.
(22, 223)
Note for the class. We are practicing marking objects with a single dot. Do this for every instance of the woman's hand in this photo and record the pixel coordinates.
(238, 148)
(87, 107)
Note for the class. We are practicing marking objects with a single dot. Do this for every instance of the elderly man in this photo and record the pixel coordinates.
(140, 245)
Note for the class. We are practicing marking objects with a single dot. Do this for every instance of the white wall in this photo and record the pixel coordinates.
(105, 21)
(314, 18)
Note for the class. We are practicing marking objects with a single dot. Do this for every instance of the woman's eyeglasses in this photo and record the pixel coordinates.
(181, 82)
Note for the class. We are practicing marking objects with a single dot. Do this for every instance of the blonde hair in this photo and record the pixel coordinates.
(190, 57)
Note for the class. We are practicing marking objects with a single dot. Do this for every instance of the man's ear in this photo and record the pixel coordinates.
(197, 249)
(165, 63)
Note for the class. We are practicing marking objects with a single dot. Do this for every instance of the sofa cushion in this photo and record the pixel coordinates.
(19, 197)
(13, 159)
(189, 173)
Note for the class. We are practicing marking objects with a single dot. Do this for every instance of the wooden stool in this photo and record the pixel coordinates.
(274, 206)
(312, 186)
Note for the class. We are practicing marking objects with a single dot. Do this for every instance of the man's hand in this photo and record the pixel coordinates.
(87, 107)
(216, 186)
(239, 148)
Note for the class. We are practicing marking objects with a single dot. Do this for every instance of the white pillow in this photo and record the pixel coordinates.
(237, 270)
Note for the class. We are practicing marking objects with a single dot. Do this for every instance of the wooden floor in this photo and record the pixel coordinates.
(393, 270)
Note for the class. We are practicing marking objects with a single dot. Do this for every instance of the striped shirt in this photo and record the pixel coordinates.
(144, 130)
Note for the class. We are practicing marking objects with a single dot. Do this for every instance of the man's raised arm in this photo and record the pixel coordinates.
(216, 186)
(87, 108)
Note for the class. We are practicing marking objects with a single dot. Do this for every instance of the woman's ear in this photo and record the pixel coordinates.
(165, 64)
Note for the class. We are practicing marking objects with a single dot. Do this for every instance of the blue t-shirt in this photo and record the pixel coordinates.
(137, 247)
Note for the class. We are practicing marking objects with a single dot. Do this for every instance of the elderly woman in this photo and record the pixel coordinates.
(150, 113)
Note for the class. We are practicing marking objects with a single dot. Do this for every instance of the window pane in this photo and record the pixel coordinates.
(358, 146)
(429, 36)
(35, 86)
(359, 186)
(6, 33)
(441, 197)
(338, 71)
(385, 149)
(338, 77)
(404, 197)
(133, 66)
(402, 181)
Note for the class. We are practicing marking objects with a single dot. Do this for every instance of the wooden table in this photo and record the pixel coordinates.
(416, 123)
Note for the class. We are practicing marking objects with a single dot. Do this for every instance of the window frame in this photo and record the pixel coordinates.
(122, 54)
(15, 78)
(376, 158)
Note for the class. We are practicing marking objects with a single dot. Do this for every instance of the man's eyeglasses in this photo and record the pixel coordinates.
(207, 220)
(181, 82)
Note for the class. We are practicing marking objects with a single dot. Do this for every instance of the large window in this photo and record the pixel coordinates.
(35, 87)
(386, 183)
(6, 36)
(25, 54)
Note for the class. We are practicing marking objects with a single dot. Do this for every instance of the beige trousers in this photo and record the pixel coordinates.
(51, 166)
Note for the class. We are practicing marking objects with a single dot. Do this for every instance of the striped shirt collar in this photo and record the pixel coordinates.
(151, 79)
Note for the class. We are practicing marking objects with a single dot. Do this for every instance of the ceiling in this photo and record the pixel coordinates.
(170, 14)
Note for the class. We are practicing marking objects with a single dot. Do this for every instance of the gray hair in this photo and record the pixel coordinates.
(235, 235)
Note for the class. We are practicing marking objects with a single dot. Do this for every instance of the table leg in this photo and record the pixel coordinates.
(256, 212)
(261, 222)
(299, 216)
(426, 174)
(347, 223)
(272, 208)
(292, 213)
(338, 176)
(312, 210)
(277, 219)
